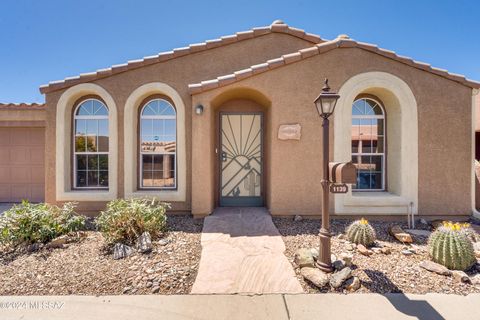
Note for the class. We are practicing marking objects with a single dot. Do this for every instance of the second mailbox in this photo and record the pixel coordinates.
(342, 172)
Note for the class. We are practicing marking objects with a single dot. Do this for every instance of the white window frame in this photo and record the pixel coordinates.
(382, 154)
(75, 153)
(140, 158)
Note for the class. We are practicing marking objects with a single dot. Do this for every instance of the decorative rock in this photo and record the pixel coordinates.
(352, 284)
(315, 276)
(423, 221)
(386, 250)
(155, 289)
(338, 265)
(341, 236)
(34, 247)
(350, 246)
(333, 257)
(126, 289)
(163, 242)
(361, 248)
(346, 258)
(407, 252)
(420, 233)
(476, 246)
(304, 258)
(435, 267)
(460, 276)
(398, 233)
(315, 253)
(298, 218)
(121, 251)
(338, 278)
(144, 243)
(57, 242)
(376, 250)
(475, 279)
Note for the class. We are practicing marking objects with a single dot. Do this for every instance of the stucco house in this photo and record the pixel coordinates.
(232, 122)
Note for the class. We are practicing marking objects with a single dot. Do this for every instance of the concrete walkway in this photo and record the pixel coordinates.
(242, 252)
(241, 307)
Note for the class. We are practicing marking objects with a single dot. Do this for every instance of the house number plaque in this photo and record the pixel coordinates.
(338, 188)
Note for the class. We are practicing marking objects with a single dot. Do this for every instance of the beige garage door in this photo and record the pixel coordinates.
(22, 169)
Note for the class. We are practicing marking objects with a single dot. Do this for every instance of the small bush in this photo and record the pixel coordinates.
(125, 220)
(29, 223)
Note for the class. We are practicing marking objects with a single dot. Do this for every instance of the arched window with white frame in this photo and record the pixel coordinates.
(91, 140)
(158, 144)
(368, 138)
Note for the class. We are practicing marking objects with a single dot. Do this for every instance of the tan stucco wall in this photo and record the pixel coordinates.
(444, 133)
(22, 114)
(177, 73)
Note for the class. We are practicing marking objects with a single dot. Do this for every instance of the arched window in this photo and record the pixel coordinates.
(368, 144)
(91, 145)
(158, 144)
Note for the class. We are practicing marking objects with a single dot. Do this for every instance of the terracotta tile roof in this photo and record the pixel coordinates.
(341, 41)
(22, 105)
(277, 26)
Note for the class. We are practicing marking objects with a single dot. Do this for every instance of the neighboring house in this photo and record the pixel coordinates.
(198, 127)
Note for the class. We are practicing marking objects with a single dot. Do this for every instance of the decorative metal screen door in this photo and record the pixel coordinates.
(241, 153)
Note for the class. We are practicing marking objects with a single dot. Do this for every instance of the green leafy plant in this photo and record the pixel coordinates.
(29, 223)
(450, 246)
(361, 232)
(125, 220)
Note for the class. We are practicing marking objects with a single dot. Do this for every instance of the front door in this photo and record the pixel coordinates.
(241, 159)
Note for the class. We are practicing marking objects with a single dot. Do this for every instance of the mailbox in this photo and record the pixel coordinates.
(342, 172)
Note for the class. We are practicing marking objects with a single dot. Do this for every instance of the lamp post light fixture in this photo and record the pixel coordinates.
(325, 104)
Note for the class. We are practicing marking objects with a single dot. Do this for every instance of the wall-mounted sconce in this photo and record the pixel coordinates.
(199, 109)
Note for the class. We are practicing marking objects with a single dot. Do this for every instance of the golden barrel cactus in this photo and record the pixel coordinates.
(450, 246)
(361, 232)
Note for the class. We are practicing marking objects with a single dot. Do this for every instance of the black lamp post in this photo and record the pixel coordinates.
(325, 104)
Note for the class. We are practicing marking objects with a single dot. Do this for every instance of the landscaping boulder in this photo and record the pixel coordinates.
(304, 258)
(346, 258)
(338, 265)
(361, 248)
(338, 278)
(121, 251)
(316, 276)
(419, 232)
(57, 242)
(315, 253)
(386, 250)
(163, 242)
(144, 243)
(298, 218)
(398, 233)
(352, 284)
(461, 276)
(435, 267)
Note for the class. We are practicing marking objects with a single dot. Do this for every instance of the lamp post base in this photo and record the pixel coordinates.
(324, 261)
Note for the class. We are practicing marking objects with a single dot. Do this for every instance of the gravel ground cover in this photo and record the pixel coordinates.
(86, 267)
(378, 273)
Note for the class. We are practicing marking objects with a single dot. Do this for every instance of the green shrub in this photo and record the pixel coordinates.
(125, 220)
(361, 232)
(29, 223)
(451, 247)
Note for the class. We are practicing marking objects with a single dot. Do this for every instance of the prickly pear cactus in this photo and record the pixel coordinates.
(450, 246)
(361, 232)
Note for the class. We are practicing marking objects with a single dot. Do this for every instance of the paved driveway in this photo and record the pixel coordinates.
(242, 252)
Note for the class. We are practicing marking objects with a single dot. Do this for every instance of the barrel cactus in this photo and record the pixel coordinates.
(361, 232)
(450, 246)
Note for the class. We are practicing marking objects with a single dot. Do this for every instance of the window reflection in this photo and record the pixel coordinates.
(158, 145)
(91, 145)
(368, 144)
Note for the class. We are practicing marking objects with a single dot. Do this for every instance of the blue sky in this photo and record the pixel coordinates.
(42, 41)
